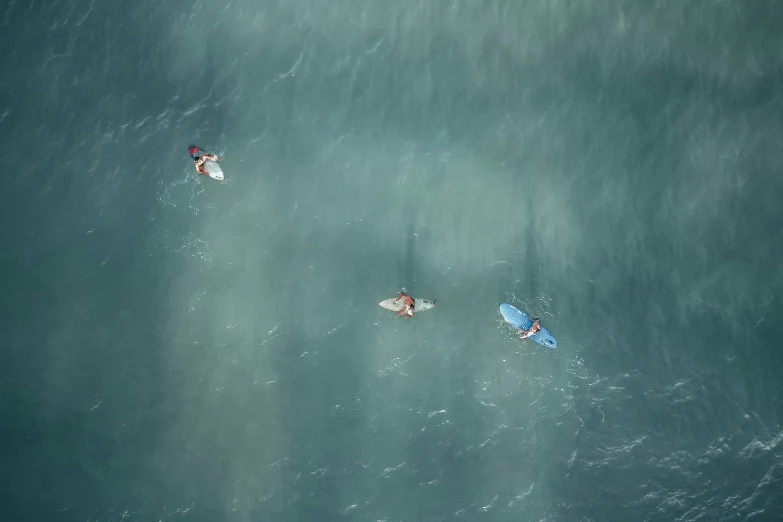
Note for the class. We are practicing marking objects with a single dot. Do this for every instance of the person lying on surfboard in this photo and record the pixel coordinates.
(534, 329)
(199, 158)
(410, 304)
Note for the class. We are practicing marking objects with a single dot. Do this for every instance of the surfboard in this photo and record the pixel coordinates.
(520, 319)
(214, 170)
(419, 304)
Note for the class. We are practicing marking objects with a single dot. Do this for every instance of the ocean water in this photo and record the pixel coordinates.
(175, 348)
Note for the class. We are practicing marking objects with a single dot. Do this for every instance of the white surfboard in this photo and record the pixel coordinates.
(419, 304)
(214, 170)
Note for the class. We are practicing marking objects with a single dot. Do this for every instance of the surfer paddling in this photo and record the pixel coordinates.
(408, 309)
(534, 329)
(199, 158)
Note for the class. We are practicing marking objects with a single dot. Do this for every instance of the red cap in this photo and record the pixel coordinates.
(193, 150)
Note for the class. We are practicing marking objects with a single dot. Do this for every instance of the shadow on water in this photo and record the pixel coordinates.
(408, 264)
(85, 391)
(84, 387)
(323, 391)
(666, 355)
(444, 468)
(530, 242)
(318, 411)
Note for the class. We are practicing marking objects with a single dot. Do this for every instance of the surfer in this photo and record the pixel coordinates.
(534, 329)
(410, 304)
(199, 158)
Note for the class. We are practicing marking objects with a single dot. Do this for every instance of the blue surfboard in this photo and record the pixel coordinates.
(520, 319)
